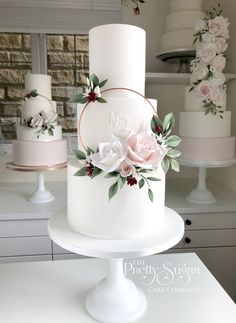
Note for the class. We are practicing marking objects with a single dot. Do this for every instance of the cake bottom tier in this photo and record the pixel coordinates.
(207, 149)
(39, 153)
(130, 214)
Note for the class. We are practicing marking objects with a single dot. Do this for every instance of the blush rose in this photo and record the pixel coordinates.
(144, 151)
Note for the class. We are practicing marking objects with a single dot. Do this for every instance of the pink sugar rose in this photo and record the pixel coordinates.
(206, 51)
(144, 151)
(219, 62)
(127, 169)
(218, 26)
(205, 90)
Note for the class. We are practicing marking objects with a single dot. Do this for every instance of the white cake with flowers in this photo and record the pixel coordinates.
(39, 138)
(116, 182)
(179, 25)
(205, 125)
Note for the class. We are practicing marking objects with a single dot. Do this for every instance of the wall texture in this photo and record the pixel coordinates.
(67, 64)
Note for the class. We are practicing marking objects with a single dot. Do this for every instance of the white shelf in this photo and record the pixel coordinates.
(175, 78)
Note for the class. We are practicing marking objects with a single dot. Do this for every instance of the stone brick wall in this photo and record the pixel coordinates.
(67, 64)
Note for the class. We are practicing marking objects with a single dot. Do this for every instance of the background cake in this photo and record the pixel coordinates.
(205, 126)
(39, 138)
(180, 23)
(116, 54)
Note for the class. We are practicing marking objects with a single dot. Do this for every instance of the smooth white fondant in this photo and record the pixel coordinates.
(183, 19)
(34, 106)
(198, 124)
(117, 53)
(129, 214)
(39, 153)
(180, 5)
(177, 39)
(117, 117)
(207, 148)
(194, 102)
(30, 134)
(39, 82)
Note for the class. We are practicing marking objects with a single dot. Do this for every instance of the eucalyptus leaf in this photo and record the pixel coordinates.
(81, 172)
(154, 179)
(78, 98)
(102, 83)
(79, 154)
(165, 164)
(101, 100)
(155, 122)
(141, 183)
(173, 153)
(173, 141)
(145, 170)
(168, 121)
(150, 194)
(121, 181)
(112, 174)
(90, 151)
(174, 165)
(94, 79)
(96, 172)
(113, 190)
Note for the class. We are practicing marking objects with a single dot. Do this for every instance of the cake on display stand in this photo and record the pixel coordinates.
(182, 57)
(116, 299)
(201, 194)
(41, 194)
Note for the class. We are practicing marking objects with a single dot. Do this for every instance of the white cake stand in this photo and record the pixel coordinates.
(201, 194)
(41, 194)
(116, 299)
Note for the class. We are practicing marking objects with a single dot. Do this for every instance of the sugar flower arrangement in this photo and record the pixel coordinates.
(207, 78)
(134, 158)
(43, 121)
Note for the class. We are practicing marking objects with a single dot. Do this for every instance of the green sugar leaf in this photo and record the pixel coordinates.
(79, 154)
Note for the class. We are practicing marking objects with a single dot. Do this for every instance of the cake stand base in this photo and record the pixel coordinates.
(116, 299)
(41, 195)
(201, 194)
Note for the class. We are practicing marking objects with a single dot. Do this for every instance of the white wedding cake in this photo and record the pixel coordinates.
(39, 138)
(205, 126)
(179, 25)
(116, 143)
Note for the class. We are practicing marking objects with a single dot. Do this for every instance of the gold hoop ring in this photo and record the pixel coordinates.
(104, 91)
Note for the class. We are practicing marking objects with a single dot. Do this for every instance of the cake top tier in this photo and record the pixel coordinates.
(117, 53)
(39, 82)
(182, 5)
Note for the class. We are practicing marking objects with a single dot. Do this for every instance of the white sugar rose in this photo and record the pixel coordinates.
(110, 156)
(204, 90)
(200, 72)
(206, 51)
(208, 37)
(219, 97)
(218, 25)
(219, 62)
(127, 169)
(221, 44)
(37, 121)
(144, 151)
(200, 25)
(218, 79)
(49, 117)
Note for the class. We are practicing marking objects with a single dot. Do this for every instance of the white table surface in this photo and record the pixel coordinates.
(54, 292)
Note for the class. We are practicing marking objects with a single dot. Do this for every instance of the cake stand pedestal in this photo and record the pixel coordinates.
(201, 194)
(41, 194)
(116, 299)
